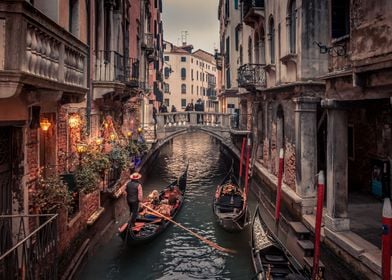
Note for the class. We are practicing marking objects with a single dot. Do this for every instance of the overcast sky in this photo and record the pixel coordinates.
(198, 17)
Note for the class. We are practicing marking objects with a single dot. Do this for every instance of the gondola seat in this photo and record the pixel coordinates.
(228, 203)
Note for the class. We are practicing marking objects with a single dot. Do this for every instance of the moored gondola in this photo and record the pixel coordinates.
(229, 204)
(168, 202)
(269, 259)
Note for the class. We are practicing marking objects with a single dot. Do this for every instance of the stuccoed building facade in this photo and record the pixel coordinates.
(313, 84)
(189, 76)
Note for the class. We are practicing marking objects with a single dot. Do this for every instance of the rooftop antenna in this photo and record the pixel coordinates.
(184, 35)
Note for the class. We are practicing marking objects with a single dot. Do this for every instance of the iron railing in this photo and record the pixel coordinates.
(28, 247)
(132, 72)
(109, 66)
(251, 75)
(251, 4)
(240, 122)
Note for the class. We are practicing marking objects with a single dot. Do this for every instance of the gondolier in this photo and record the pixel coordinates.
(134, 192)
(148, 225)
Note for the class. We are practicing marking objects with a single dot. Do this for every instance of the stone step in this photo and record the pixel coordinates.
(307, 246)
(300, 230)
(309, 266)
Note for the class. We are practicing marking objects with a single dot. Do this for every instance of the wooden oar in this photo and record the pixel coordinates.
(205, 240)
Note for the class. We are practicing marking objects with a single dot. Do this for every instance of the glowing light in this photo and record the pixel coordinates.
(74, 121)
(98, 141)
(81, 148)
(44, 124)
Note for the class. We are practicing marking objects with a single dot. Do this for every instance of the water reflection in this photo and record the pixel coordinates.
(175, 254)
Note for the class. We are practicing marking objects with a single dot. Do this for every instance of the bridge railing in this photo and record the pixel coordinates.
(212, 119)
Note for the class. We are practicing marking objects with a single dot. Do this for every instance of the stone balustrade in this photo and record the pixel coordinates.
(182, 119)
(40, 51)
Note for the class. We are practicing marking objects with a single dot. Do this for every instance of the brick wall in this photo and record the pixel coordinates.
(289, 165)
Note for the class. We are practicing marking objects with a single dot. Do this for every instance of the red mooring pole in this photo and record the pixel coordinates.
(247, 169)
(386, 239)
(319, 216)
(242, 159)
(279, 187)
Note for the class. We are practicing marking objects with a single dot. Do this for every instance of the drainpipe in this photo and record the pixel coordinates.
(90, 61)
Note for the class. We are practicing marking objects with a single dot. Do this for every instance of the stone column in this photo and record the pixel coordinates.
(306, 150)
(336, 218)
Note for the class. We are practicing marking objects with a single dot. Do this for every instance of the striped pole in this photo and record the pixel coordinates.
(241, 159)
(319, 216)
(386, 239)
(279, 187)
(247, 168)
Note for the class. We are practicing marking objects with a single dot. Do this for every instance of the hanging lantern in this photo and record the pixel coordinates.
(74, 121)
(81, 148)
(44, 124)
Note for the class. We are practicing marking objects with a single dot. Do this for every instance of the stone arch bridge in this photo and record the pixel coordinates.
(222, 126)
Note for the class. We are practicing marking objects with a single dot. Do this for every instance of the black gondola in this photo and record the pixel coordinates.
(229, 205)
(269, 259)
(147, 225)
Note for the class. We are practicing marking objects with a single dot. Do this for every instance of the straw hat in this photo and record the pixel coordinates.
(136, 176)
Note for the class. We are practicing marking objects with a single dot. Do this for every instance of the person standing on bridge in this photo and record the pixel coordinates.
(173, 110)
(134, 193)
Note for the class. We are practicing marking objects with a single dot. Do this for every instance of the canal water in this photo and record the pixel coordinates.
(175, 254)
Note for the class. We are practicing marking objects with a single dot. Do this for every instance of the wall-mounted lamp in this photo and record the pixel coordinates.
(44, 124)
(337, 50)
(74, 121)
(99, 141)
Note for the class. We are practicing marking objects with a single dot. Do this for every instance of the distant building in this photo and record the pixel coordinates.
(189, 76)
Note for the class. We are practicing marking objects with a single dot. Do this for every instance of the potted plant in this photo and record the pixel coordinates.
(86, 177)
(50, 194)
(119, 156)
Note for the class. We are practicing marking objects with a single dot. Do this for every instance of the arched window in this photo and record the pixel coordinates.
(74, 17)
(166, 72)
(183, 88)
(272, 40)
(250, 46)
(292, 17)
(241, 56)
(183, 74)
(280, 128)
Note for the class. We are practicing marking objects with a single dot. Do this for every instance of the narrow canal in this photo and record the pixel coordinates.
(175, 254)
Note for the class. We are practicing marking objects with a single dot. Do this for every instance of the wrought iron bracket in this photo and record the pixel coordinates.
(338, 50)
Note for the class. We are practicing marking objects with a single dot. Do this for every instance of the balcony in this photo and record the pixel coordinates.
(109, 67)
(29, 247)
(39, 53)
(132, 73)
(148, 43)
(253, 12)
(251, 76)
